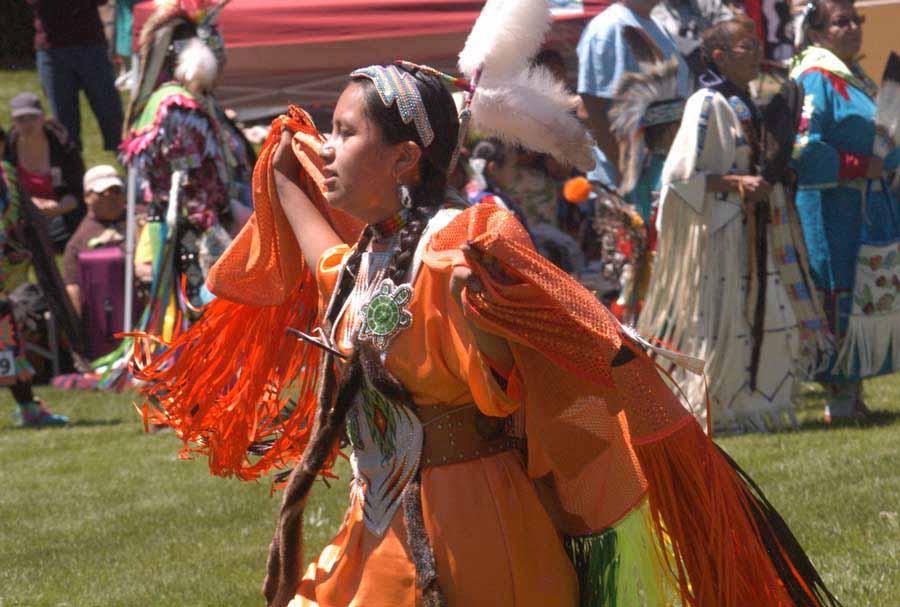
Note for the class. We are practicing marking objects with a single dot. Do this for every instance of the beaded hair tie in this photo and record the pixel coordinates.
(395, 85)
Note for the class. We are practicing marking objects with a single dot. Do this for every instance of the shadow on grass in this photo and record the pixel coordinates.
(87, 423)
(78, 423)
(875, 419)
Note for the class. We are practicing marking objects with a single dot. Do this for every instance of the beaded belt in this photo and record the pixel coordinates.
(461, 434)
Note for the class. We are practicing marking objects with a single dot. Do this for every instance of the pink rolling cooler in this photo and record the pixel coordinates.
(102, 297)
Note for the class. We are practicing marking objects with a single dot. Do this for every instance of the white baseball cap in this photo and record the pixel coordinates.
(100, 178)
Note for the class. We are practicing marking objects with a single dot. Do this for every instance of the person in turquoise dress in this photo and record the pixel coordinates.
(850, 218)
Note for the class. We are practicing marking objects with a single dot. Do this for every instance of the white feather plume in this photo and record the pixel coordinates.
(506, 36)
(533, 110)
(197, 65)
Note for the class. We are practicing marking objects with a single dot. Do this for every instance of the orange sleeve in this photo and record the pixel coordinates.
(492, 398)
(473, 367)
(327, 273)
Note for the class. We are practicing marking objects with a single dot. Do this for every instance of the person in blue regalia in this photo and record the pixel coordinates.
(850, 219)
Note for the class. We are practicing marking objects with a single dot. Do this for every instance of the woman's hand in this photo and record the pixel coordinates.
(876, 168)
(51, 208)
(461, 278)
(313, 233)
(284, 161)
(494, 347)
(144, 271)
(48, 207)
(755, 188)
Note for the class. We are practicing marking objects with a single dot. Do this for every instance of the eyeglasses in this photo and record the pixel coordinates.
(845, 21)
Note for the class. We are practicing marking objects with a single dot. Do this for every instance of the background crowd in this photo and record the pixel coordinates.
(601, 227)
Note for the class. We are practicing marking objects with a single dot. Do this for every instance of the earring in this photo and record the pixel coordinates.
(406, 200)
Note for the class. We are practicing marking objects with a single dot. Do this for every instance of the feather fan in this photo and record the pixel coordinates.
(533, 110)
(635, 92)
(507, 34)
(656, 80)
(887, 114)
(645, 51)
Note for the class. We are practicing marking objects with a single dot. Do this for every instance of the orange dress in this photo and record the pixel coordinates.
(493, 541)
(653, 512)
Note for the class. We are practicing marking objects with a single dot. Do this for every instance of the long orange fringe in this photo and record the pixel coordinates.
(237, 387)
(698, 503)
(729, 547)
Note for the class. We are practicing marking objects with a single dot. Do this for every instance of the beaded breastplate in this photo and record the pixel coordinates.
(386, 436)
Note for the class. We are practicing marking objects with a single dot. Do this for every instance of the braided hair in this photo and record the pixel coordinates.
(336, 397)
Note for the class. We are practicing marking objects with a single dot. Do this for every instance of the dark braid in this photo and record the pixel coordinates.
(427, 198)
(337, 397)
(334, 401)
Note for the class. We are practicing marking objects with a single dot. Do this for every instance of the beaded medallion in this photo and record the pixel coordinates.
(385, 314)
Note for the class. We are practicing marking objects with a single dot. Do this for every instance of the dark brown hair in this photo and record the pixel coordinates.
(721, 36)
(820, 14)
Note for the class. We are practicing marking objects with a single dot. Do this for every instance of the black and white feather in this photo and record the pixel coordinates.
(656, 80)
(887, 113)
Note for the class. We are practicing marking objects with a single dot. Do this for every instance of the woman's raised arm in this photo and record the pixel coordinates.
(313, 232)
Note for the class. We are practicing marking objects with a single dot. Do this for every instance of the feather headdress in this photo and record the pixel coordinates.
(507, 34)
(511, 100)
(156, 43)
(643, 98)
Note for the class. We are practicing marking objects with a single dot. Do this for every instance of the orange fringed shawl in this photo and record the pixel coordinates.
(221, 386)
(239, 352)
(730, 548)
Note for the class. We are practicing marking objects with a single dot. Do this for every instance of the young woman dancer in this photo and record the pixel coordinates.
(510, 443)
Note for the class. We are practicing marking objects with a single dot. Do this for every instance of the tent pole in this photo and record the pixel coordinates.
(130, 219)
(129, 249)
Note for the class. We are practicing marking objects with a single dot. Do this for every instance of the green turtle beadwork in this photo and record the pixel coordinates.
(385, 314)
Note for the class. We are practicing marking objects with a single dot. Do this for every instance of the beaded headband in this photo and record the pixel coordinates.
(394, 85)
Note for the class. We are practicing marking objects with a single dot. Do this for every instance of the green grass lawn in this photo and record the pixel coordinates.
(100, 513)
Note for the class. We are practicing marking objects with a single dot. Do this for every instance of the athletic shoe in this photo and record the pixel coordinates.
(36, 415)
